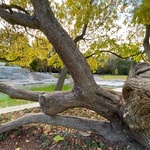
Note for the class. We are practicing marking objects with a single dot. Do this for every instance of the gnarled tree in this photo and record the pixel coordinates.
(128, 113)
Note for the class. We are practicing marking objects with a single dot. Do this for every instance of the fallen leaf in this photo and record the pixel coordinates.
(27, 141)
(12, 136)
(58, 138)
(85, 134)
(99, 148)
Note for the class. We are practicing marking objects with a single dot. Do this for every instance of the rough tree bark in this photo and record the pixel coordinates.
(128, 115)
(64, 71)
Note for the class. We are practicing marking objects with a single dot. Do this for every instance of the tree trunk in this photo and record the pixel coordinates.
(128, 115)
(61, 79)
(64, 72)
(146, 43)
(136, 109)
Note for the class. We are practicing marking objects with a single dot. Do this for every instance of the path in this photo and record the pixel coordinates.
(19, 107)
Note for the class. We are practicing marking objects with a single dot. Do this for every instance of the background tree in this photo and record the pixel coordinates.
(14, 47)
(19, 49)
(113, 63)
(128, 114)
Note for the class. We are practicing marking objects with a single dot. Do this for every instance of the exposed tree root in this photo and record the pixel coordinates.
(104, 129)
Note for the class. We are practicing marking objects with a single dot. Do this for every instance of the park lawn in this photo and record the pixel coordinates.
(113, 77)
(48, 87)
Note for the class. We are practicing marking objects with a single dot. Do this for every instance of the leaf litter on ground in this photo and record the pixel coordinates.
(47, 137)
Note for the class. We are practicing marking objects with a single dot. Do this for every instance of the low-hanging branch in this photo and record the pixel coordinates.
(56, 102)
(18, 93)
(83, 124)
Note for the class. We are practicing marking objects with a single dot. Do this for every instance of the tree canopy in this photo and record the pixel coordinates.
(98, 35)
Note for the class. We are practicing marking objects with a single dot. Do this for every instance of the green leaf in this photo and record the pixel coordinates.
(58, 138)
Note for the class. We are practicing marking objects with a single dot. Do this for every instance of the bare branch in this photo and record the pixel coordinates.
(99, 127)
(119, 56)
(18, 93)
(10, 7)
(18, 18)
(80, 37)
(30, 33)
(53, 103)
(56, 102)
(133, 34)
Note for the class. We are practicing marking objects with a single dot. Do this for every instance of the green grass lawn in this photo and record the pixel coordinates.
(46, 87)
(6, 101)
